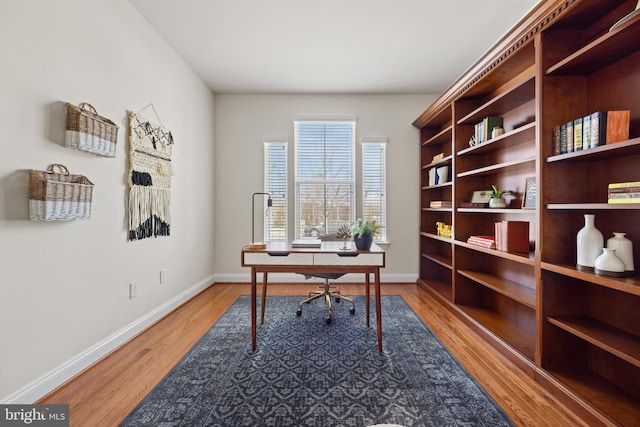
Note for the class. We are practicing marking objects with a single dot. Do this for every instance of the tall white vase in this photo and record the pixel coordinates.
(624, 250)
(589, 243)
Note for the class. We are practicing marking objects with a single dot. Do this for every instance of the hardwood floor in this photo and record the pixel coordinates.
(105, 393)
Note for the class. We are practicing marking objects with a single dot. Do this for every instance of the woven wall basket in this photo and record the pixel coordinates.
(87, 131)
(57, 195)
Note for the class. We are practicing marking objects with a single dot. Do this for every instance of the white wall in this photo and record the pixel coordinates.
(64, 285)
(242, 121)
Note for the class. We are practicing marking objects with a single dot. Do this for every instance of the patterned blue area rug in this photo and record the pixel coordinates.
(307, 373)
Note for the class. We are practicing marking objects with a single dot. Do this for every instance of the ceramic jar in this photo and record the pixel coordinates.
(624, 250)
(497, 131)
(608, 264)
(443, 174)
(496, 202)
(589, 243)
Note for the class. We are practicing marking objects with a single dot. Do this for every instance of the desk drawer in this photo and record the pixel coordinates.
(277, 258)
(349, 258)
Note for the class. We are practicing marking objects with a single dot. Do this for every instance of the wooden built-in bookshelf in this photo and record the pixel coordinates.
(575, 332)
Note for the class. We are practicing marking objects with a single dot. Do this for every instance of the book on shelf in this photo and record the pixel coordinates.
(617, 126)
(577, 134)
(512, 236)
(556, 140)
(563, 138)
(586, 132)
(624, 187)
(479, 130)
(624, 200)
(488, 242)
(306, 243)
(570, 136)
(474, 204)
(598, 128)
(440, 204)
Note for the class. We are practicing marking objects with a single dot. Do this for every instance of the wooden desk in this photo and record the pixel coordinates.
(280, 257)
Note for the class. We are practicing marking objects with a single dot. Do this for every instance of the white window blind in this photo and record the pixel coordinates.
(275, 182)
(325, 176)
(374, 182)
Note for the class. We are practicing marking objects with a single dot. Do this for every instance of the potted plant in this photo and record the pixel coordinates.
(364, 232)
(496, 200)
(344, 232)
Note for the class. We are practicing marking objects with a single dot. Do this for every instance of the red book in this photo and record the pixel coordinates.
(514, 236)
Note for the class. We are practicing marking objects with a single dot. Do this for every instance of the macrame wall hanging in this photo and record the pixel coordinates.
(150, 171)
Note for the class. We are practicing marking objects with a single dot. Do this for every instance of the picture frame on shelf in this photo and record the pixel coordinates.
(530, 196)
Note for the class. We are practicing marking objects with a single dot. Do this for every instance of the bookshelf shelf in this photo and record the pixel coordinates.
(575, 332)
(509, 288)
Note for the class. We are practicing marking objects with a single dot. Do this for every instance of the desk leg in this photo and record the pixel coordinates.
(253, 309)
(264, 296)
(378, 310)
(367, 295)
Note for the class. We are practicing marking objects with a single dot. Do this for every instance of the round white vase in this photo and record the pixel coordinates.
(608, 264)
(624, 250)
(497, 202)
(589, 243)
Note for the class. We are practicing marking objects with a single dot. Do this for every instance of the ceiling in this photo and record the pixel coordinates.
(331, 46)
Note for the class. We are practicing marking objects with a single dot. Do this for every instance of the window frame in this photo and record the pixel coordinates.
(370, 173)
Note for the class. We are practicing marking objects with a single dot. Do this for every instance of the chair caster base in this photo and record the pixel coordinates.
(352, 311)
(328, 321)
(299, 313)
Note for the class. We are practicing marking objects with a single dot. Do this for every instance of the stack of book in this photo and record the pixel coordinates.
(440, 204)
(512, 236)
(488, 242)
(624, 192)
(590, 131)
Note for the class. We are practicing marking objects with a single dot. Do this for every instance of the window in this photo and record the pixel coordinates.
(374, 183)
(275, 183)
(325, 177)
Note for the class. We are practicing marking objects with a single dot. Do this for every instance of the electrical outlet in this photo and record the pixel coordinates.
(163, 275)
(133, 290)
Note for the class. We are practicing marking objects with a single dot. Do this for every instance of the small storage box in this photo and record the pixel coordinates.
(87, 131)
(57, 195)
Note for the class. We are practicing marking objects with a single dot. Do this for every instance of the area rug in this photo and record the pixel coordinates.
(307, 373)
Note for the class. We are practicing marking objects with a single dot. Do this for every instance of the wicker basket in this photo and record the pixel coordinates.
(87, 131)
(58, 195)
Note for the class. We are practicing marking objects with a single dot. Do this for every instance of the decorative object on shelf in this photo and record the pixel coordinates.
(443, 229)
(484, 129)
(473, 141)
(479, 199)
(608, 264)
(254, 244)
(437, 157)
(364, 232)
(90, 132)
(626, 18)
(497, 131)
(150, 170)
(530, 193)
(344, 232)
(589, 243)
(496, 200)
(57, 195)
(624, 250)
(443, 174)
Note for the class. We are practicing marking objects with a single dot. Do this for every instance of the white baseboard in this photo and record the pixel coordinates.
(291, 278)
(50, 381)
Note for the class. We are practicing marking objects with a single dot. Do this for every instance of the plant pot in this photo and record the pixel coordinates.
(363, 241)
(495, 202)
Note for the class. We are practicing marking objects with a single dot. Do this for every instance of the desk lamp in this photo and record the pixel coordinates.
(254, 244)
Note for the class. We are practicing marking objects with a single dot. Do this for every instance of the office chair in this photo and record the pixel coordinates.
(326, 290)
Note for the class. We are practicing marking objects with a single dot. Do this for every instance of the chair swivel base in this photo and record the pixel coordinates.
(327, 294)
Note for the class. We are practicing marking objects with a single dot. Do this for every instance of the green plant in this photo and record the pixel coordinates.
(496, 194)
(362, 227)
(344, 232)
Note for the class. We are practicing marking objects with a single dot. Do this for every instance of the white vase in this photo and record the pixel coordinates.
(624, 250)
(495, 202)
(608, 264)
(589, 243)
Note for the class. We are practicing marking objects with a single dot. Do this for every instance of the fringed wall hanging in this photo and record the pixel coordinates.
(150, 171)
